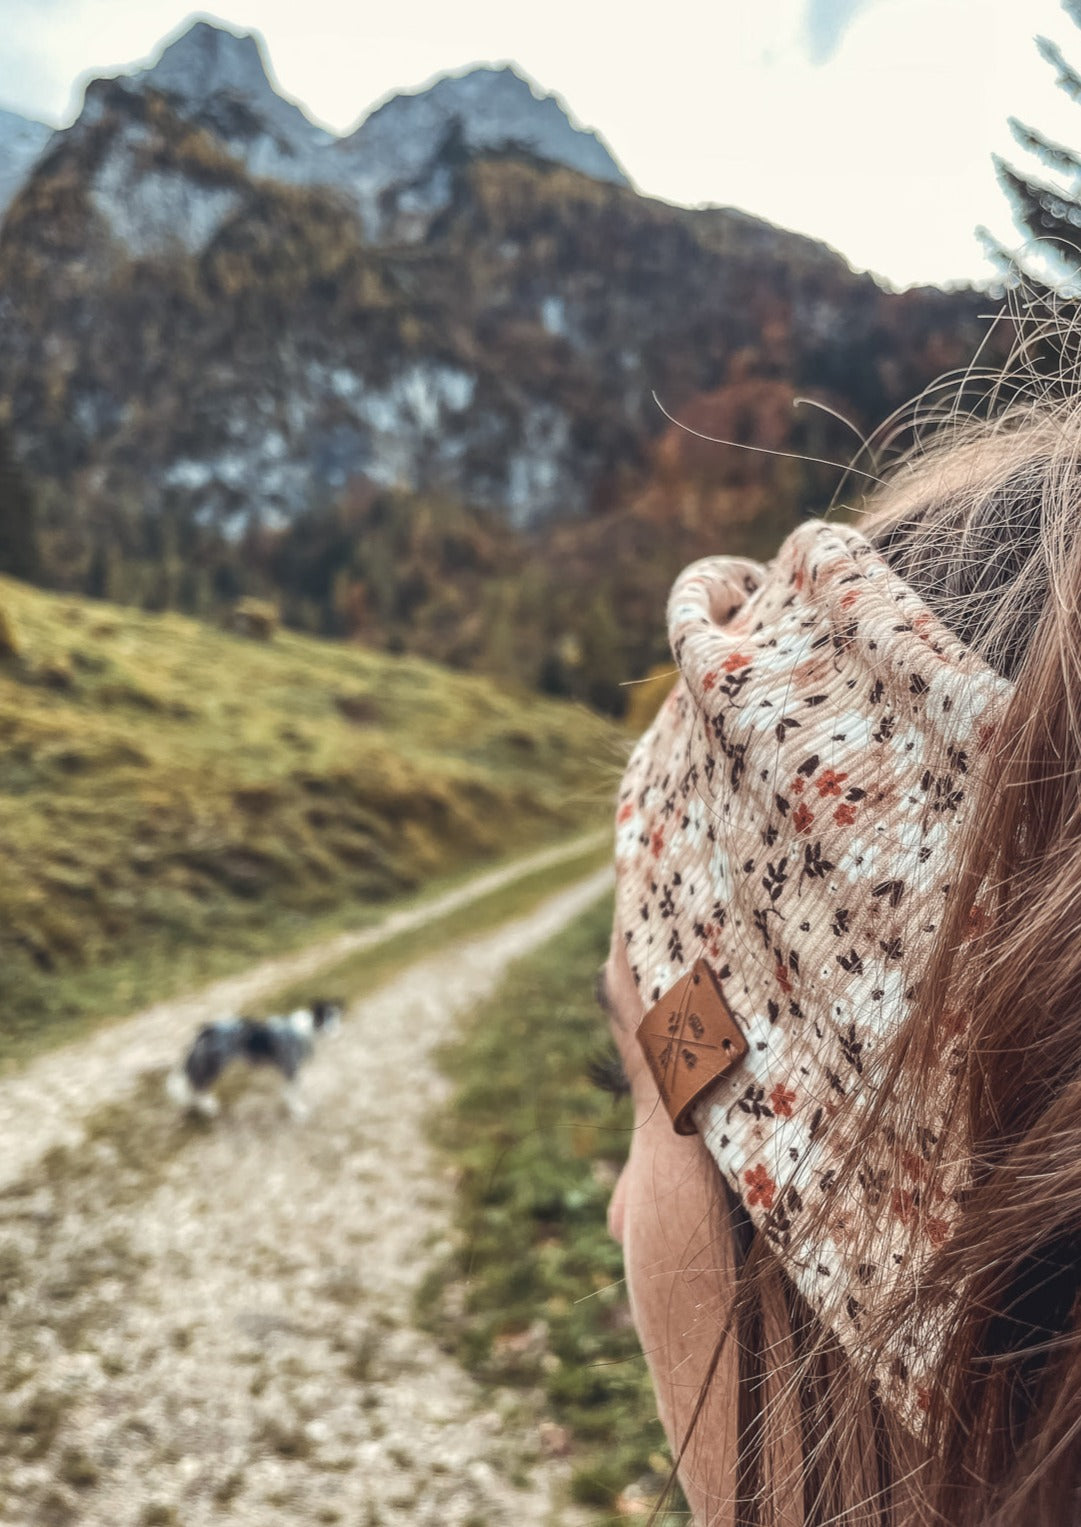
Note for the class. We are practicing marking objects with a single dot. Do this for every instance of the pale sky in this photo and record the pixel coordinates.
(866, 123)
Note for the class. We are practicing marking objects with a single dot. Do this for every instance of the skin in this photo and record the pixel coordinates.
(667, 1215)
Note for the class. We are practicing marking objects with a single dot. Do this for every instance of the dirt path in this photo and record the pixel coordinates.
(43, 1104)
(213, 1325)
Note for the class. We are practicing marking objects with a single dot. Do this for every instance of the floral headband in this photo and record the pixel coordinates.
(784, 848)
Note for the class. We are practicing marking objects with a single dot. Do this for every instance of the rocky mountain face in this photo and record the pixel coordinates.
(151, 259)
(420, 346)
(391, 169)
(399, 161)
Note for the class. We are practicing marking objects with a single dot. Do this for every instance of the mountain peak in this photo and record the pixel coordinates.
(493, 106)
(208, 59)
(222, 80)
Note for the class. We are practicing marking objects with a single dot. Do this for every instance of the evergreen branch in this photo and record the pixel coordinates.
(1067, 78)
(1043, 212)
(1006, 263)
(1056, 156)
(1048, 266)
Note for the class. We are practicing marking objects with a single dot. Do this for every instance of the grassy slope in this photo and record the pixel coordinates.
(534, 1296)
(174, 797)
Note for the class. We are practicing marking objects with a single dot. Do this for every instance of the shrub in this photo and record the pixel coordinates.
(361, 709)
(55, 673)
(257, 618)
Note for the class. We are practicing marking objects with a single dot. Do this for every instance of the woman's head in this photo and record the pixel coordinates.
(861, 806)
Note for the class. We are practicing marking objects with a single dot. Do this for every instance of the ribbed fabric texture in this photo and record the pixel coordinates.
(791, 816)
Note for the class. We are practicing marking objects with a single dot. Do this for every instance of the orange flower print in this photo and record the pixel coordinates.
(849, 599)
(708, 681)
(626, 811)
(829, 782)
(845, 815)
(761, 1187)
(781, 1100)
(783, 979)
(656, 842)
(937, 1231)
(903, 1204)
(914, 1166)
(802, 817)
(797, 785)
(734, 661)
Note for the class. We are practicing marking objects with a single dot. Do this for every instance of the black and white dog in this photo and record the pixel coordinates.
(282, 1042)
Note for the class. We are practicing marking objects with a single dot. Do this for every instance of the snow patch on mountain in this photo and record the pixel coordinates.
(418, 397)
(403, 434)
(154, 211)
(408, 431)
(539, 475)
(21, 143)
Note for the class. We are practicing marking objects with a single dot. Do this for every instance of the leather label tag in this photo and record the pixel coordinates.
(690, 1039)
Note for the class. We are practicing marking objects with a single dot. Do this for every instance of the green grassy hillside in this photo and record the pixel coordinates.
(175, 798)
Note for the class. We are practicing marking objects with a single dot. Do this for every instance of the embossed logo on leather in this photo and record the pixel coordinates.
(690, 1039)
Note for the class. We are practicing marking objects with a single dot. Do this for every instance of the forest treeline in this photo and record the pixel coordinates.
(572, 607)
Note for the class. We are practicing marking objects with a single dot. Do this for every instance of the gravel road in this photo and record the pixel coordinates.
(45, 1103)
(212, 1324)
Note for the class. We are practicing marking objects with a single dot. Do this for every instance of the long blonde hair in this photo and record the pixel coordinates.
(984, 525)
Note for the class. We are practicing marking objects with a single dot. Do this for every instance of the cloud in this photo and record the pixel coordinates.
(825, 24)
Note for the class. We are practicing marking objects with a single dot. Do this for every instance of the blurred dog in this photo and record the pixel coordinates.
(285, 1043)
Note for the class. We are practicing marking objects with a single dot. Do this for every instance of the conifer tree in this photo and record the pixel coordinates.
(1046, 203)
(19, 551)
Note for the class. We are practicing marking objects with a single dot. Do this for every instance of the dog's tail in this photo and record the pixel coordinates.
(178, 1089)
